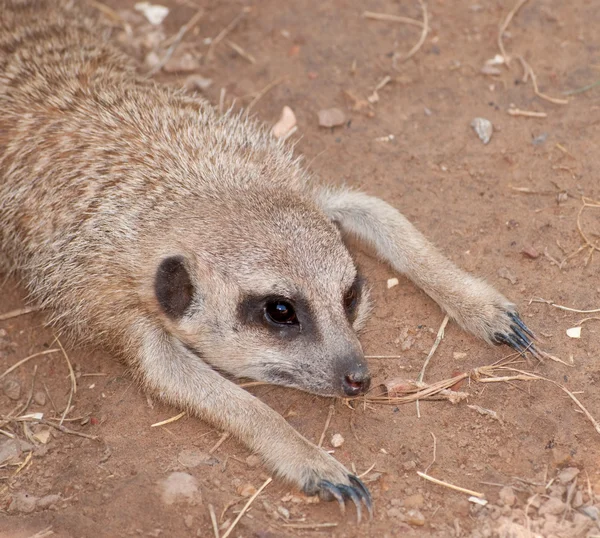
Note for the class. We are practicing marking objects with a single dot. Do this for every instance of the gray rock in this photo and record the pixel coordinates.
(180, 488)
(483, 128)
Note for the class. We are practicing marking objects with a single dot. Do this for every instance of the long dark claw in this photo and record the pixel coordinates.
(335, 492)
(520, 337)
(364, 493)
(515, 317)
(350, 493)
(357, 492)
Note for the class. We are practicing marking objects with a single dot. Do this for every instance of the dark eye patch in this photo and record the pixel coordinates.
(268, 312)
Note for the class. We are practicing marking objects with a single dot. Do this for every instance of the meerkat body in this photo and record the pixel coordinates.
(187, 242)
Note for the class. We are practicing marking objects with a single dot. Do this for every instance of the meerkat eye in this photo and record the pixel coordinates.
(351, 299)
(280, 312)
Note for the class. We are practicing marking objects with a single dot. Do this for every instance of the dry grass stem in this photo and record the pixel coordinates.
(384, 356)
(173, 42)
(309, 526)
(585, 320)
(73, 390)
(582, 89)
(434, 453)
(213, 520)
(451, 486)
(44, 533)
(246, 506)
(438, 339)
(536, 90)
(526, 113)
(112, 14)
(241, 51)
(224, 32)
(262, 93)
(419, 43)
(222, 439)
(327, 422)
(365, 473)
(19, 312)
(59, 427)
(23, 361)
(561, 307)
(391, 18)
(168, 420)
(503, 28)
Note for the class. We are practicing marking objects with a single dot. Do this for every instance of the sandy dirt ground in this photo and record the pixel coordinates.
(507, 211)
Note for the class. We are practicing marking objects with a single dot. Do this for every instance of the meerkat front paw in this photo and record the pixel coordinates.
(486, 313)
(331, 481)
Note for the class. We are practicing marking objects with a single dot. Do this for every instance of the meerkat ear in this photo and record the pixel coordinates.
(173, 286)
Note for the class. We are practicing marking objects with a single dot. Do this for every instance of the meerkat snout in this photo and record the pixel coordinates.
(353, 373)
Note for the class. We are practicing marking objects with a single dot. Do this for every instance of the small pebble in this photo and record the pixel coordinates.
(286, 125)
(188, 521)
(192, 457)
(40, 397)
(409, 465)
(337, 440)
(414, 501)
(530, 252)
(567, 475)
(252, 461)
(394, 512)
(553, 506)
(592, 512)
(283, 511)
(197, 82)
(416, 518)
(331, 117)
(246, 490)
(483, 128)
(507, 274)
(392, 282)
(180, 487)
(183, 62)
(507, 496)
(12, 388)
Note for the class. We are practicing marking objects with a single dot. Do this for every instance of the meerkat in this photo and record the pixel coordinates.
(194, 245)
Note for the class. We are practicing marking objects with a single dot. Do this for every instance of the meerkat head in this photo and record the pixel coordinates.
(262, 286)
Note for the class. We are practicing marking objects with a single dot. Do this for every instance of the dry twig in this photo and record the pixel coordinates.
(73, 390)
(391, 18)
(503, 28)
(536, 90)
(221, 440)
(262, 93)
(19, 312)
(451, 486)
(438, 339)
(168, 420)
(213, 520)
(174, 42)
(327, 422)
(526, 113)
(422, 37)
(23, 361)
(223, 33)
(246, 506)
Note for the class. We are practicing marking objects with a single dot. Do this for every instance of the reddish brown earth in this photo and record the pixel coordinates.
(461, 194)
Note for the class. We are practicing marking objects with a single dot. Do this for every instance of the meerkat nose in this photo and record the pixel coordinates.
(356, 381)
